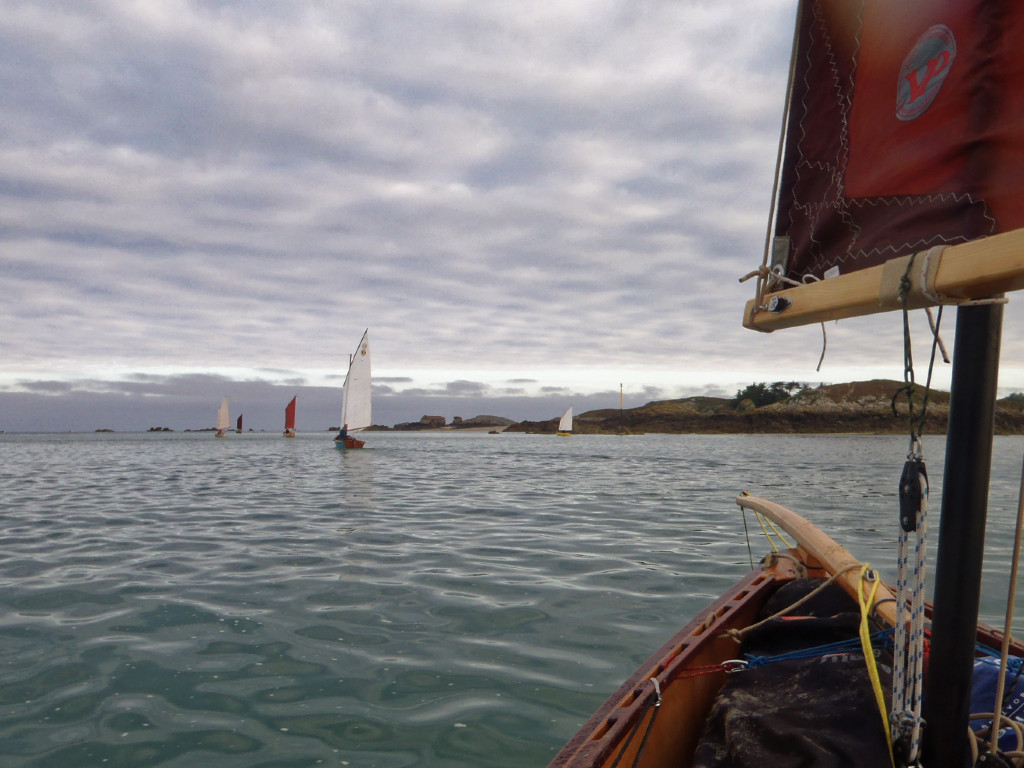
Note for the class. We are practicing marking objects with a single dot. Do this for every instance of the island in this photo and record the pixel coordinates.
(861, 407)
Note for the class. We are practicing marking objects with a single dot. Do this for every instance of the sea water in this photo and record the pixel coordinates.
(435, 599)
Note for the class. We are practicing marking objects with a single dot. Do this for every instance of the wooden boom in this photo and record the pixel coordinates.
(982, 268)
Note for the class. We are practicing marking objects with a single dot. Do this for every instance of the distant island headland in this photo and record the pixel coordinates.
(860, 407)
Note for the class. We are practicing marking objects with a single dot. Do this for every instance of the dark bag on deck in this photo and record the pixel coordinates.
(818, 712)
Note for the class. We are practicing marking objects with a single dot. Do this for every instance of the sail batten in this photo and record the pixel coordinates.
(970, 271)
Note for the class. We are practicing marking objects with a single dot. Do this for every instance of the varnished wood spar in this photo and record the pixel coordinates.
(975, 270)
(833, 557)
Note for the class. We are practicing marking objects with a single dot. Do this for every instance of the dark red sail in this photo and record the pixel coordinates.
(289, 415)
(905, 130)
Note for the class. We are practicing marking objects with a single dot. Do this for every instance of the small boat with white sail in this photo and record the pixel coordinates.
(223, 420)
(356, 396)
(565, 423)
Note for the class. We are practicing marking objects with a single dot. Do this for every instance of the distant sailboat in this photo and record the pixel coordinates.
(223, 420)
(238, 426)
(355, 406)
(565, 423)
(289, 418)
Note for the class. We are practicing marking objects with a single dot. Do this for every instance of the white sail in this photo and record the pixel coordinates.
(355, 408)
(222, 415)
(565, 423)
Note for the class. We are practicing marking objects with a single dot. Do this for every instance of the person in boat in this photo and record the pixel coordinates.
(342, 434)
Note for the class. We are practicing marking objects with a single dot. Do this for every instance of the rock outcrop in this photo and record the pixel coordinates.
(427, 422)
(858, 407)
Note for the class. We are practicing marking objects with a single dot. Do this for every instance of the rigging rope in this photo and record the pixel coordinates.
(866, 601)
(908, 656)
(738, 634)
(1008, 625)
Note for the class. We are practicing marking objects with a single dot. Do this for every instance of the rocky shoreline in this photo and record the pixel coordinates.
(863, 407)
(860, 407)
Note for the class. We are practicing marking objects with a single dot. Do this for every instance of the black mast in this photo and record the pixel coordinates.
(961, 535)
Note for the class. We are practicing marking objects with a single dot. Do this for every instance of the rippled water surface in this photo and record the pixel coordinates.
(435, 599)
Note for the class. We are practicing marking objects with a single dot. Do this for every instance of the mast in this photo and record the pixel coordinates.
(962, 534)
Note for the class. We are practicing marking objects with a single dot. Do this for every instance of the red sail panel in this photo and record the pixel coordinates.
(239, 425)
(905, 130)
(289, 415)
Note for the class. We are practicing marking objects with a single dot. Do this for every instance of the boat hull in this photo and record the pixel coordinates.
(686, 667)
(349, 443)
(686, 700)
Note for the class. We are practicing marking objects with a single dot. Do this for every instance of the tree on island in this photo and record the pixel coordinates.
(764, 394)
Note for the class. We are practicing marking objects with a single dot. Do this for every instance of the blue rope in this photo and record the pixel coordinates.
(1013, 664)
(882, 638)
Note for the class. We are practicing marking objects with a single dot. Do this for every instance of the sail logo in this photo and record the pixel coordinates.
(924, 71)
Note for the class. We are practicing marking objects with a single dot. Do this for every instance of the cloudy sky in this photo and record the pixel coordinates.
(528, 204)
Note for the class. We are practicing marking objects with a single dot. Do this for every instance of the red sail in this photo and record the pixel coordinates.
(905, 130)
(238, 426)
(289, 415)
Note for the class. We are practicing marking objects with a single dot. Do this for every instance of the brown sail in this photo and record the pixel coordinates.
(904, 131)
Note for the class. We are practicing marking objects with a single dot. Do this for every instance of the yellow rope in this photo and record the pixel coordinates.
(866, 603)
(766, 534)
(781, 537)
(762, 520)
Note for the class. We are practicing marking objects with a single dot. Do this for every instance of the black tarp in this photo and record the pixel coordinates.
(807, 713)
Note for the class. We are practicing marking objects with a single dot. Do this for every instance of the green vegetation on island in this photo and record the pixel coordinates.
(864, 407)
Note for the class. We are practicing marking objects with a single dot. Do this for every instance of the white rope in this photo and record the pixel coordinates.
(908, 663)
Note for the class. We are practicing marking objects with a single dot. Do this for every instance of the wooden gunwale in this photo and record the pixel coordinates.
(685, 701)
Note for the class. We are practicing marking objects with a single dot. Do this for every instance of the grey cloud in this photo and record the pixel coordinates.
(250, 184)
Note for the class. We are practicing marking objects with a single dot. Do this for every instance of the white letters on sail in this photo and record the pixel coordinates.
(355, 408)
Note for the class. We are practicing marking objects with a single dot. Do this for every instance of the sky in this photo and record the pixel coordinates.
(530, 205)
